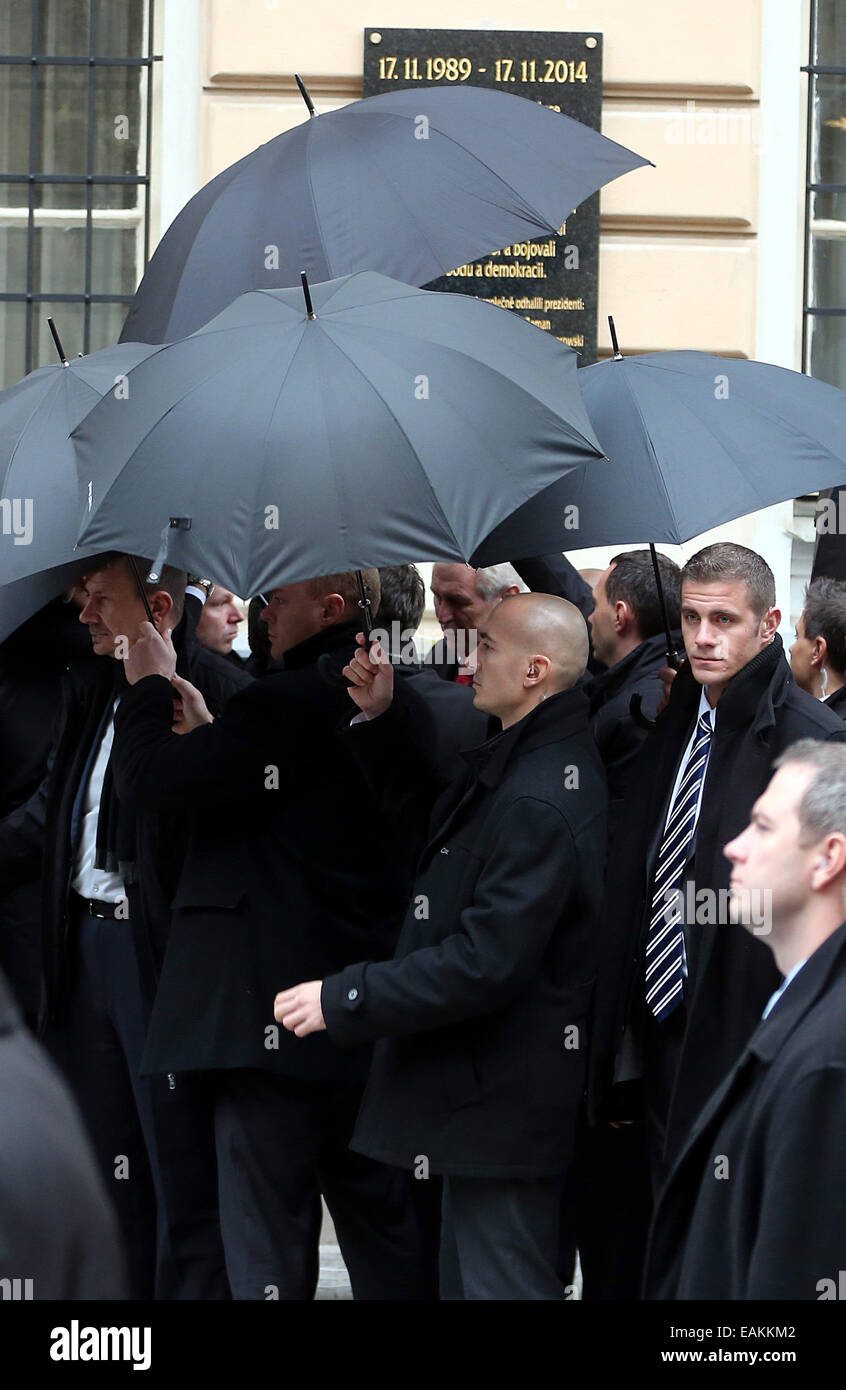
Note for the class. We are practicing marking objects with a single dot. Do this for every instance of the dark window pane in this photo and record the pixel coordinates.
(63, 28)
(828, 263)
(69, 196)
(14, 195)
(62, 130)
(828, 206)
(114, 260)
(13, 239)
(827, 348)
(16, 27)
(106, 323)
(830, 46)
(829, 160)
(14, 122)
(12, 343)
(69, 320)
(118, 136)
(59, 260)
(121, 29)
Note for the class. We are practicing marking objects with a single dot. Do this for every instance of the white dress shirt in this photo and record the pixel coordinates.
(100, 884)
(788, 979)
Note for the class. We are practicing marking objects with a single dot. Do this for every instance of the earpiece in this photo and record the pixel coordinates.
(532, 671)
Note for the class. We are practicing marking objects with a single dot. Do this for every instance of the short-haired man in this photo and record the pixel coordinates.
(464, 599)
(755, 1207)
(680, 991)
(818, 656)
(221, 618)
(627, 624)
(480, 1071)
(107, 878)
(277, 883)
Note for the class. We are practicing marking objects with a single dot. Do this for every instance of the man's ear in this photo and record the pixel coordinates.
(819, 652)
(161, 605)
(770, 622)
(537, 670)
(509, 590)
(333, 608)
(832, 862)
(623, 616)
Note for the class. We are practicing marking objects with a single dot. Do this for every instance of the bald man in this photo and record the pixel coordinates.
(480, 1065)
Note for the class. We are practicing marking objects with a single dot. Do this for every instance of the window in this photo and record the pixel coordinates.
(824, 320)
(75, 100)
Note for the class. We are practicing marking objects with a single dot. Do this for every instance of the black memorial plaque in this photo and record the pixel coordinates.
(552, 281)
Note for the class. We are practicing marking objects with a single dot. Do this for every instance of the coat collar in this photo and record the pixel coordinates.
(837, 702)
(801, 994)
(328, 640)
(753, 695)
(605, 685)
(555, 718)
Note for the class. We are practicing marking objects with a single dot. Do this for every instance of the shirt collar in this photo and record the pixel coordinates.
(774, 998)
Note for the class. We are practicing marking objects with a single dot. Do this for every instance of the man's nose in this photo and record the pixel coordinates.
(734, 849)
(86, 616)
(706, 635)
(471, 662)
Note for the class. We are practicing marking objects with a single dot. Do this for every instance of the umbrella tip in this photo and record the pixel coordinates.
(57, 340)
(618, 356)
(307, 296)
(304, 93)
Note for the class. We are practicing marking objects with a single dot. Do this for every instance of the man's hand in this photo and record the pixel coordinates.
(190, 709)
(372, 677)
(666, 675)
(299, 1010)
(151, 655)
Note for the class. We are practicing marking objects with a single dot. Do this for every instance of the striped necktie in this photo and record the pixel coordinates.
(665, 938)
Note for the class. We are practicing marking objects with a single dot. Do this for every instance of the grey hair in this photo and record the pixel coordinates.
(822, 810)
(491, 581)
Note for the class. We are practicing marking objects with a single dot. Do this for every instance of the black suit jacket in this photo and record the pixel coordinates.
(755, 1206)
(483, 1010)
(280, 880)
(760, 713)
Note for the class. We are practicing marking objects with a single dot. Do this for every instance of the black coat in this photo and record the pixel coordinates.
(482, 1012)
(837, 702)
(759, 714)
(774, 1225)
(279, 882)
(57, 1226)
(618, 733)
(37, 836)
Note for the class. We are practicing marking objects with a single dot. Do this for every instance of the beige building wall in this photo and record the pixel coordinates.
(680, 248)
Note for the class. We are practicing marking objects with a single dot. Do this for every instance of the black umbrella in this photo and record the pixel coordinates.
(279, 443)
(691, 441)
(409, 183)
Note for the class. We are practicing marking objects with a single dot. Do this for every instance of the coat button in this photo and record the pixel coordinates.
(352, 994)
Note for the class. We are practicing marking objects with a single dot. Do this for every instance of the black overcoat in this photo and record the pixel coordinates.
(482, 1013)
(755, 1206)
(759, 714)
(291, 871)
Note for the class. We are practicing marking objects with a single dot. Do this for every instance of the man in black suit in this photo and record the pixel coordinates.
(481, 1014)
(818, 656)
(755, 1207)
(107, 877)
(278, 881)
(679, 993)
(627, 627)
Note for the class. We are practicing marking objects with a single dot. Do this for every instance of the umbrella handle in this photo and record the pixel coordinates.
(673, 658)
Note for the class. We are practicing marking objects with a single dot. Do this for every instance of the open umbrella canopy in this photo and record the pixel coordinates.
(692, 441)
(392, 422)
(38, 482)
(409, 183)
